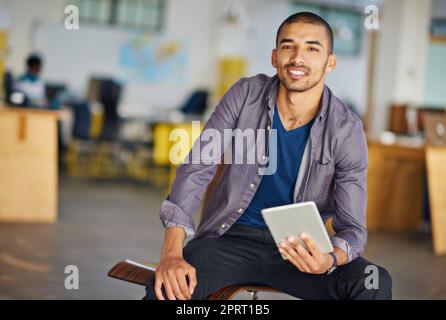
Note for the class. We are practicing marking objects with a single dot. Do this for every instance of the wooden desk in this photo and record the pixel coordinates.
(395, 181)
(28, 165)
(436, 165)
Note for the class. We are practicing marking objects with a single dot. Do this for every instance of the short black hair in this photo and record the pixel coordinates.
(311, 18)
(33, 60)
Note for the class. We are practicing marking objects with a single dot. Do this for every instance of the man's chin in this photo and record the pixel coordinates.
(297, 88)
(298, 85)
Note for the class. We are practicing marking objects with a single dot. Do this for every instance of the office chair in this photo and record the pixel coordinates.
(110, 93)
(96, 149)
(196, 103)
(9, 92)
(8, 86)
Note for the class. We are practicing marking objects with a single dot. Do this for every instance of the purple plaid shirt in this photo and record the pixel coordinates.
(332, 172)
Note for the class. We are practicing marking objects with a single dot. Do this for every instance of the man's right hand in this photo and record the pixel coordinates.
(171, 273)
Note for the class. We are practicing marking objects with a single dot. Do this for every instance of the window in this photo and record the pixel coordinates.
(143, 15)
(438, 26)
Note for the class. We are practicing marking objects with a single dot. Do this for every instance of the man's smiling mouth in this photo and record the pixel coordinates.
(296, 73)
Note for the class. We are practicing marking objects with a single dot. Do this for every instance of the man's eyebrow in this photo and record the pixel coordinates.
(315, 42)
(286, 40)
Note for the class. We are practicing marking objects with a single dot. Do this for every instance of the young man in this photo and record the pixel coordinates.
(31, 84)
(321, 156)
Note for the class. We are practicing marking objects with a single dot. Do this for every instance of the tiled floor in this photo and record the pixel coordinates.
(101, 223)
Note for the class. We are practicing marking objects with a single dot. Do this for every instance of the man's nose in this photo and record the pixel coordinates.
(297, 56)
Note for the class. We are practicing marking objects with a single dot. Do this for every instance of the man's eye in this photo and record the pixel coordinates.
(313, 49)
(286, 47)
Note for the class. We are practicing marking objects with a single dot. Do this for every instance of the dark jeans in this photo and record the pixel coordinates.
(245, 255)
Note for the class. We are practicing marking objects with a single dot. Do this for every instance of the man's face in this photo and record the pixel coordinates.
(35, 69)
(302, 57)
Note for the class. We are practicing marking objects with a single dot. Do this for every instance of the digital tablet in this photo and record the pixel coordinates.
(295, 219)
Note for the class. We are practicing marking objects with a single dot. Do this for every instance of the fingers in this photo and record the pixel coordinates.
(314, 250)
(184, 288)
(312, 260)
(158, 285)
(192, 275)
(291, 254)
(168, 290)
(163, 279)
(174, 285)
(307, 258)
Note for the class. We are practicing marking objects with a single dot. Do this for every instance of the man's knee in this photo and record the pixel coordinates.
(385, 284)
(365, 280)
(376, 283)
(203, 255)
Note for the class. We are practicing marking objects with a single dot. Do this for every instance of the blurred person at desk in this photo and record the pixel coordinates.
(31, 84)
(34, 92)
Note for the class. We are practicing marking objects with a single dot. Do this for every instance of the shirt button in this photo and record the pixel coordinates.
(268, 127)
(223, 226)
(252, 185)
(240, 210)
(263, 157)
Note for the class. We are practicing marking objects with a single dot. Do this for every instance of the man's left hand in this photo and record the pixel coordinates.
(309, 260)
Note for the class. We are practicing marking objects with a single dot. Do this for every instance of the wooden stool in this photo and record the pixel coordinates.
(141, 273)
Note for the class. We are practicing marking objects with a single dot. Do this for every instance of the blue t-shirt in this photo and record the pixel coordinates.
(277, 189)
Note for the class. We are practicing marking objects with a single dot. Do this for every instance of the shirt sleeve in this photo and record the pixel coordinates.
(189, 232)
(350, 197)
(195, 173)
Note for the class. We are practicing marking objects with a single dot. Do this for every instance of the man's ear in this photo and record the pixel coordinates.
(331, 63)
(273, 58)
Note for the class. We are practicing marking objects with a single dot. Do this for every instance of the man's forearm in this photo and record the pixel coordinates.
(173, 242)
(341, 256)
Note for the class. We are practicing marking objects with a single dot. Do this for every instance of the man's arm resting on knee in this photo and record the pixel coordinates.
(173, 269)
(191, 181)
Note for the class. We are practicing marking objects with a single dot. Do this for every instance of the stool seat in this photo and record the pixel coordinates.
(141, 273)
